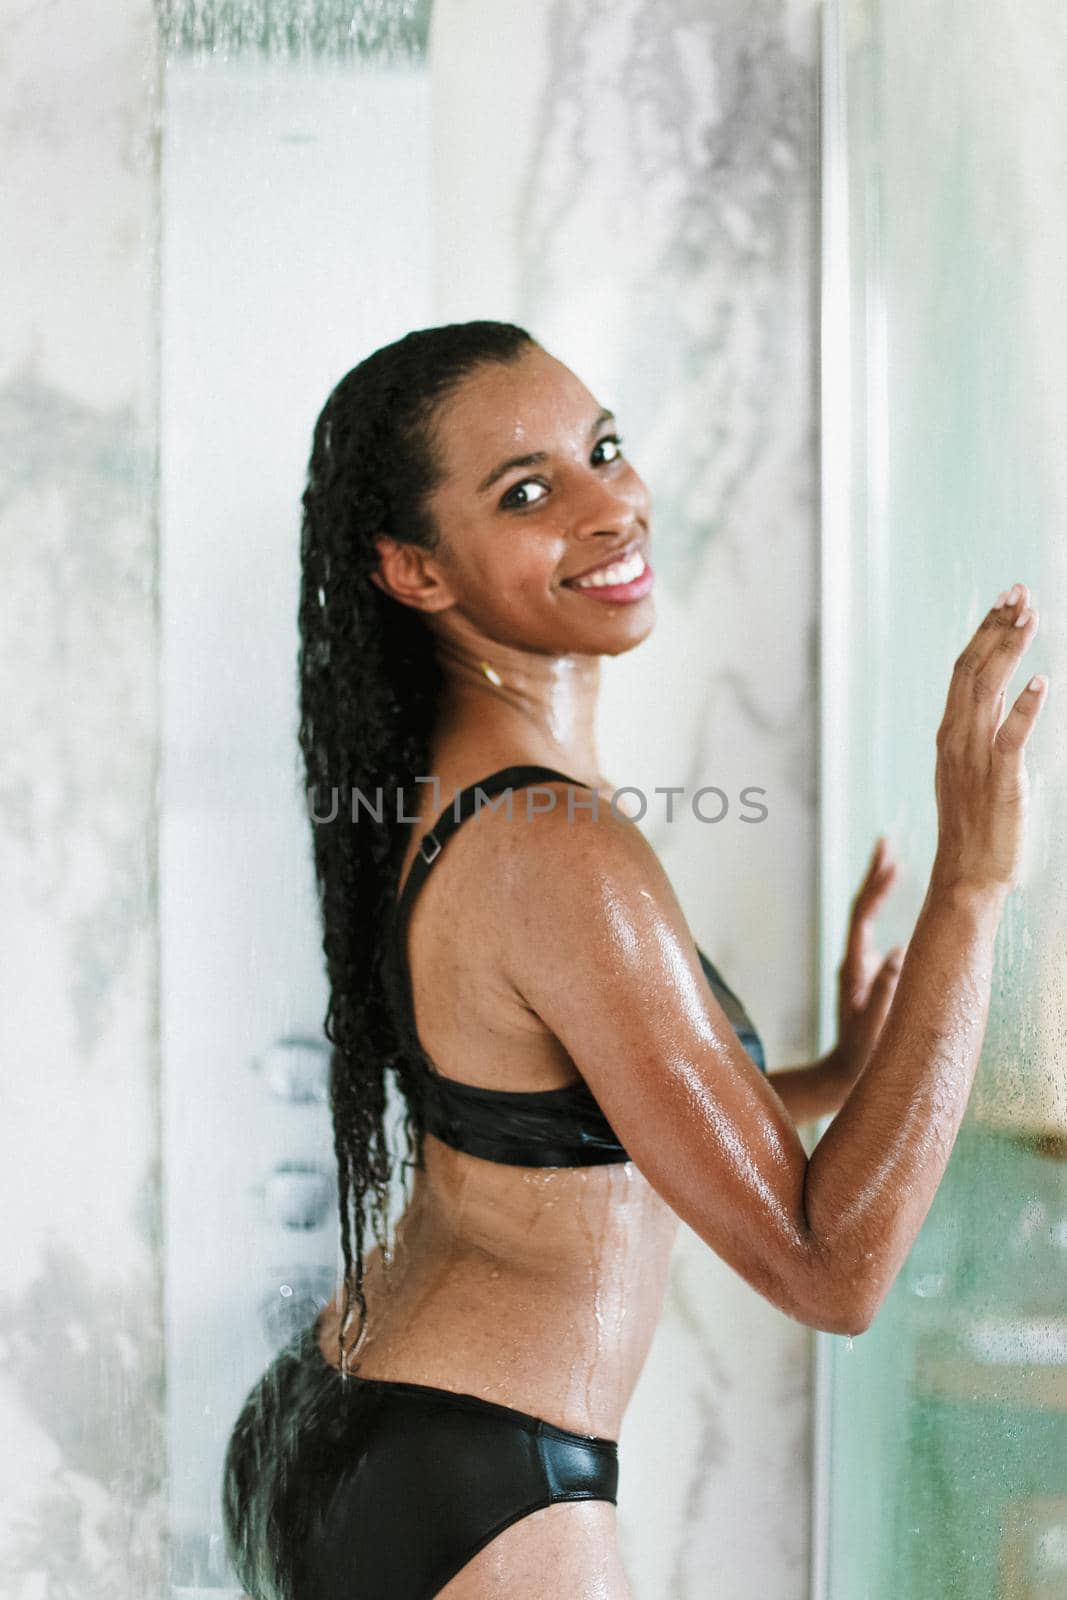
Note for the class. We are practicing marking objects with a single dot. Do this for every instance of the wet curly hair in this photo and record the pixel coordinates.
(369, 689)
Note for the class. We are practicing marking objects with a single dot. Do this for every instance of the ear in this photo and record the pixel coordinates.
(411, 575)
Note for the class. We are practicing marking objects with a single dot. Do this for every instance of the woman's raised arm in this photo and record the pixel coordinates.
(595, 943)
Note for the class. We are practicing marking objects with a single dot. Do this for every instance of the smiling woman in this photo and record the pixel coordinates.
(577, 1074)
(583, 513)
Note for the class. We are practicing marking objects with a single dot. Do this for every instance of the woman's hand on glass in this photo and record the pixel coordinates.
(981, 781)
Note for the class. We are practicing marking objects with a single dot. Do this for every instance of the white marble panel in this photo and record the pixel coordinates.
(636, 183)
(80, 1348)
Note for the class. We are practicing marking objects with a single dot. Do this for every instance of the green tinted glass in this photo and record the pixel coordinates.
(945, 1445)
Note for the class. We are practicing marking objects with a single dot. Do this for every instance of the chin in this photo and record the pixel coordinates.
(622, 629)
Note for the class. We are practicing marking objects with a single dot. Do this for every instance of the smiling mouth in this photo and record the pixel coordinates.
(625, 570)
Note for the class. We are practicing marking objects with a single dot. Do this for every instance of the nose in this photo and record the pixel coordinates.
(616, 508)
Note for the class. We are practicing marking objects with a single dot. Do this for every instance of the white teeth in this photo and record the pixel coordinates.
(621, 572)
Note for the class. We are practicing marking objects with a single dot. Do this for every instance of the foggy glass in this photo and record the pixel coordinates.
(945, 413)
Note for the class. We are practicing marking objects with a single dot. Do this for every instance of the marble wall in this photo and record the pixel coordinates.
(637, 184)
(81, 1379)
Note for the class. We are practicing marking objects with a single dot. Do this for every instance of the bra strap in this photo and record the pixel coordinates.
(465, 804)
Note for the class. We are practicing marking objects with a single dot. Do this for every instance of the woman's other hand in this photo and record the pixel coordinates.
(866, 980)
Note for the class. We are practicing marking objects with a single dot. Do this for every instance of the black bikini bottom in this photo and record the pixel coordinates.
(350, 1488)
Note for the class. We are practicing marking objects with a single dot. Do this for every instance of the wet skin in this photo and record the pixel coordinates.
(543, 948)
(537, 1288)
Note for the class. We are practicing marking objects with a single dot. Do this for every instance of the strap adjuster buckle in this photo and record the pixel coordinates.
(430, 855)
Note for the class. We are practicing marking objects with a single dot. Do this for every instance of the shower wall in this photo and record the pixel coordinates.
(637, 184)
(256, 330)
(81, 1370)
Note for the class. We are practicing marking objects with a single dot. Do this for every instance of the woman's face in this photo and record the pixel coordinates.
(535, 493)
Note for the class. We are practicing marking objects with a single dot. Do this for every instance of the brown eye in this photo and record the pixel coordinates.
(614, 442)
(523, 488)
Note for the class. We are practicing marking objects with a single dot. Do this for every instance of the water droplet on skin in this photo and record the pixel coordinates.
(587, 1235)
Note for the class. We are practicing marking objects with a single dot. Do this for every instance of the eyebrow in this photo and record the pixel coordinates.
(537, 456)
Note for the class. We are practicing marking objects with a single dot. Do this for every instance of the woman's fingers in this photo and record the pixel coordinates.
(881, 859)
(1021, 720)
(1018, 592)
(889, 972)
(860, 958)
(981, 779)
(880, 874)
(985, 667)
(883, 989)
(867, 1023)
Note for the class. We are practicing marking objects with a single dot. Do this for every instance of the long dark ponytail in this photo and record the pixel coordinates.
(369, 687)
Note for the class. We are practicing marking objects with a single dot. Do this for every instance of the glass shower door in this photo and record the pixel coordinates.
(943, 1429)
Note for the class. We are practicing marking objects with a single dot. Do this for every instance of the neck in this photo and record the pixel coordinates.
(543, 709)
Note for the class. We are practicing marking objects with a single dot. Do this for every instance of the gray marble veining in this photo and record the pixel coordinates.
(665, 231)
(665, 207)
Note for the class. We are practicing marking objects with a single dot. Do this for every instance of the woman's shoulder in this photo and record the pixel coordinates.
(540, 826)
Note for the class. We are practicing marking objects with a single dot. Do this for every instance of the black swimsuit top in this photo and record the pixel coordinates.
(529, 1128)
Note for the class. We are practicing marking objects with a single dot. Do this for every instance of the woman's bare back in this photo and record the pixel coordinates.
(538, 1288)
